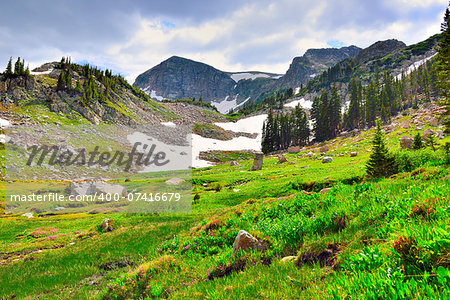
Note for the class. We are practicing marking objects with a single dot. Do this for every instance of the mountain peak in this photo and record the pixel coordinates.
(379, 49)
(178, 77)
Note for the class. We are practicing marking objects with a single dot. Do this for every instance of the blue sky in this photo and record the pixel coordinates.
(233, 35)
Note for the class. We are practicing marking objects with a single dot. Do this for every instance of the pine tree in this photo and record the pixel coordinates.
(78, 87)
(380, 163)
(322, 118)
(334, 113)
(27, 72)
(443, 69)
(267, 143)
(9, 71)
(372, 103)
(61, 81)
(417, 143)
(17, 67)
(303, 126)
(353, 117)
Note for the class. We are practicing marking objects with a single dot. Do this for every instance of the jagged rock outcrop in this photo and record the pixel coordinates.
(314, 62)
(378, 50)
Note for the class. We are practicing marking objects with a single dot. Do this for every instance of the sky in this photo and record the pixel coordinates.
(132, 36)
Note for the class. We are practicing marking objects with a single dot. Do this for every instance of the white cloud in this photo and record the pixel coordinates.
(255, 35)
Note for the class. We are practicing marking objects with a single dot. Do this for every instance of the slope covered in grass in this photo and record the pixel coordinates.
(360, 238)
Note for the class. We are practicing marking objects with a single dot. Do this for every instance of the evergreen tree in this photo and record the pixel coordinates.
(9, 71)
(417, 143)
(268, 136)
(443, 69)
(17, 67)
(322, 118)
(353, 117)
(27, 71)
(380, 163)
(61, 81)
(372, 103)
(334, 113)
(78, 87)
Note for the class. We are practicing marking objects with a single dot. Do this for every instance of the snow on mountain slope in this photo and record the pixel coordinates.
(225, 105)
(303, 103)
(250, 125)
(245, 75)
(415, 65)
(4, 123)
(152, 94)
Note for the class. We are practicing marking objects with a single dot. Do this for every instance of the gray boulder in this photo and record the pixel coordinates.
(90, 188)
(327, 159)
(174, 181)
(245, 241)
(258, 161)
(281, 158)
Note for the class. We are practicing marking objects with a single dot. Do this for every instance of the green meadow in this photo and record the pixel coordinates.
(387, 238)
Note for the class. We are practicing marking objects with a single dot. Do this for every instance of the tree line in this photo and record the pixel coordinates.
(281, 130)
(274, 101)
(385, 96)
(19, 69)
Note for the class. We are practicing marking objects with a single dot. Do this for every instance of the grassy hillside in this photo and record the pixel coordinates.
(360, 238)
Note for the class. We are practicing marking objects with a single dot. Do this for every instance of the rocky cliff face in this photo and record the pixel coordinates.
(314, 62)
(378, 50)
(179, 77)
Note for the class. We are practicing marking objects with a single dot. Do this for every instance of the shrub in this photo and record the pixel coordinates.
(417, 143)
(217, 187)
(408, 161)
(196, 197)
(367, 260)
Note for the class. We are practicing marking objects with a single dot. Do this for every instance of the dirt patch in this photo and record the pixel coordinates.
(325, 257)
(117, 264)
(9, 257)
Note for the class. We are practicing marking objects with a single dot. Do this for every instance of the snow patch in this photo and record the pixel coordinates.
(169, 124)
(152, 94)
(243, 76)
(250, 125)
(4, 123)
(312, 75)
(345, 107)
(225, 105)
(42, 73)
(200, 143)
(303, 103)
(414, 66)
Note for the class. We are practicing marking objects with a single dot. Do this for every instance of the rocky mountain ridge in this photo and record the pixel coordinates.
(178, 77)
